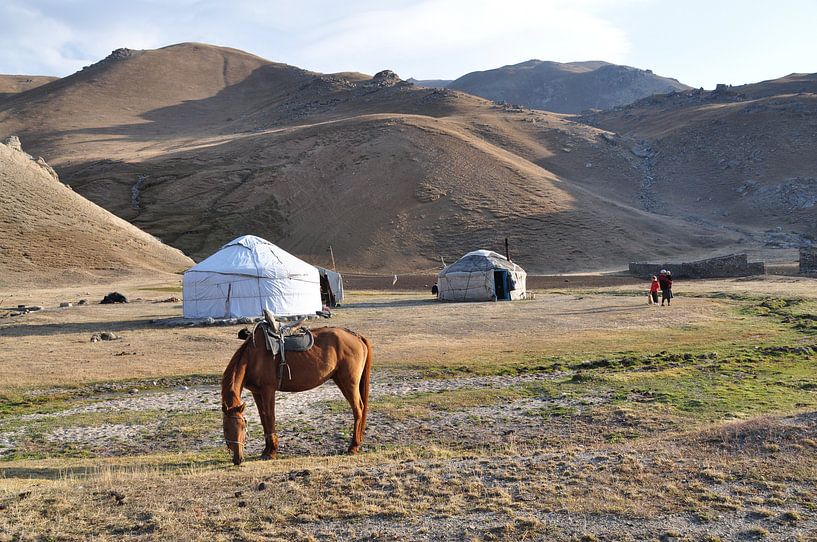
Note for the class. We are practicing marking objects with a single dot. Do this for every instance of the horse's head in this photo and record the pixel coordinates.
(235, 431)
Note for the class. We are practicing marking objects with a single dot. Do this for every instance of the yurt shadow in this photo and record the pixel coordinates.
(390, 304)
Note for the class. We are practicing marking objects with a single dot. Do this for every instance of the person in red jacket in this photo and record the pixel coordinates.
(665, 281)
(654, 291)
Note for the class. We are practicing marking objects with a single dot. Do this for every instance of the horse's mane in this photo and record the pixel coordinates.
(232, 379)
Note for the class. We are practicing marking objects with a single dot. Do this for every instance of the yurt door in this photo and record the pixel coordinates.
(227, 312)
(502, 285)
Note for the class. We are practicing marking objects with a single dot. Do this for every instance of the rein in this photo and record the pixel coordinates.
(246, 430)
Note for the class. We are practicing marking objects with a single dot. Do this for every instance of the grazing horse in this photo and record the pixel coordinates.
(339, 354)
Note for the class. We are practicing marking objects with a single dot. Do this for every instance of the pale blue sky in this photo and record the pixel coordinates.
(699, 42)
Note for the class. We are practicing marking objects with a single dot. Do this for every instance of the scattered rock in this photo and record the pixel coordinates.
(120, 498)
(641, 151)
(82, 302)
(66, 304)
(294, 475)
(104, 336)
(244, 334)
(171, 299)
(242, 504)
(262, 486)
(113, 297)
(238, 494)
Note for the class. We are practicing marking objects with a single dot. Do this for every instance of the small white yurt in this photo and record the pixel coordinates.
(481, 275)
(248, 275)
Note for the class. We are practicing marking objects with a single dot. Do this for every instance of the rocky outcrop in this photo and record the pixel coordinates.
(121, 54)
(13, 142)
(385, 78)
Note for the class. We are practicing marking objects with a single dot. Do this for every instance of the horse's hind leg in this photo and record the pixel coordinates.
(265, 401)
(350, 387)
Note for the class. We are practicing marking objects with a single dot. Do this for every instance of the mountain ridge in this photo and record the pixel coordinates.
(569, 87)
(390, 174)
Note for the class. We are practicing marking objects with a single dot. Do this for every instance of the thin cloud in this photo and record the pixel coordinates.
(699, 42)
(446, 39)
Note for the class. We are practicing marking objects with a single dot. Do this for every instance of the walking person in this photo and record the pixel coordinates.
(653, 295)
(665, 281)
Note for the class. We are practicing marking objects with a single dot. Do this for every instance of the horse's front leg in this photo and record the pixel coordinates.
(265, 401)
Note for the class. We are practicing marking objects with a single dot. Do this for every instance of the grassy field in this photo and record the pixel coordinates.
(579, 415)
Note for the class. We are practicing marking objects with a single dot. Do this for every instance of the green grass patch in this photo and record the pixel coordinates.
(756, 382)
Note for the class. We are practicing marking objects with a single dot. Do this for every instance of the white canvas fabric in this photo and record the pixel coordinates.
(471, 278)
(248, 275)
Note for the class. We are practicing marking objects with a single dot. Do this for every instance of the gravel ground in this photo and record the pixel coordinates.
(298, 416)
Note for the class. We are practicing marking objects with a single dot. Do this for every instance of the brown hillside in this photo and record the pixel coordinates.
(393, 176)
(48, 232)
(13, 84)
(742, 157)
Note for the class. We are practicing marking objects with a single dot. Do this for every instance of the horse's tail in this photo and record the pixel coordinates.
(364, 383)
(233, 379)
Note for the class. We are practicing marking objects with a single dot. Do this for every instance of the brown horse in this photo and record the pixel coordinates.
(339, 354)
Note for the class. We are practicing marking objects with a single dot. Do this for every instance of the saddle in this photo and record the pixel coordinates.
(280, 339)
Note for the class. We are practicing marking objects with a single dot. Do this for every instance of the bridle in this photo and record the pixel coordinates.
(246, 429)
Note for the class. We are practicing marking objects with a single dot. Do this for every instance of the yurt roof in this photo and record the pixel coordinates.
(481, 260)
(253, 256)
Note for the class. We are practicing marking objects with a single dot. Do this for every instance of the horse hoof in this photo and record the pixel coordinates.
(267, 457)
(353, 450)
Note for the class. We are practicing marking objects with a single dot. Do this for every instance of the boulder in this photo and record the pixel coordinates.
(104, 336)
(113, 297)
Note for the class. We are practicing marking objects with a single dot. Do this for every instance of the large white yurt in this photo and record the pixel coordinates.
(248, 275)
(481, 275)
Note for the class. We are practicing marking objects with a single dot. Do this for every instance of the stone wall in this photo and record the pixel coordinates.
(733, 265)
(808, 261)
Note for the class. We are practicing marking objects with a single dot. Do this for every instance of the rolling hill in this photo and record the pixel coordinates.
(197, 144)
(739, 157)
(565, 87)
(49, 233)
(14, 84)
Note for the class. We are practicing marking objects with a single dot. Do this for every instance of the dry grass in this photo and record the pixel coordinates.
(409, 331)
(618, 452)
